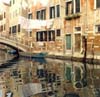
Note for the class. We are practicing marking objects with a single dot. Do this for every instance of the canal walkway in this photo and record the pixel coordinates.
(89, 59)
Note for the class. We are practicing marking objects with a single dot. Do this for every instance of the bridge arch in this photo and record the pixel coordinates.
(14, 44)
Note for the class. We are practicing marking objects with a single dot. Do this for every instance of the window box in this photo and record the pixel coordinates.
(77, 15)
(69, 17)
(73, 16)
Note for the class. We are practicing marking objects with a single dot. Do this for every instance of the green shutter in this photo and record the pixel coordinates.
(68, 73)
(68, 41)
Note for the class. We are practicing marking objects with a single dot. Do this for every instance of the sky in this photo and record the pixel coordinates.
(43, 2)
(5, 1)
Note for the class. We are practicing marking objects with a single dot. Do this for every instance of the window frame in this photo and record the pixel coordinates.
(66, 10)
(38, 14)
(41, 14)
(52, 12)
(58, 32)
(96, 29)
(30, 16)
(19, 28)
(73, 8)
(57, 10)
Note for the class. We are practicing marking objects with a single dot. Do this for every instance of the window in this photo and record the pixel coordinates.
(72, 6)
(14, 29)
(97, 3)
(4, 15)
(68, 41)
(97, 28)
(30, 33)
(30, 16)
(10, 3)
(38, 14)
(18, 27)
(1, 27)
(13, 1)
(4, 26)
(41, 14)
(45, 35)
(51, 35)
(39, 36)
(69, 8)
(77, 6)
(10, 30)
(52, 12)
(58, 10)
(77, 28)
(58, 32)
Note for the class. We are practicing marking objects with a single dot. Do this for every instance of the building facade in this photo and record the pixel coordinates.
(74, 30)
(4, 19)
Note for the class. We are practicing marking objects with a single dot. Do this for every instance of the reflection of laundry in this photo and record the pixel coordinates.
(31, 89)
(9, 94)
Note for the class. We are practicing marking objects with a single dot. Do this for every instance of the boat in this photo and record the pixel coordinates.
(12, 51)
(33, 55)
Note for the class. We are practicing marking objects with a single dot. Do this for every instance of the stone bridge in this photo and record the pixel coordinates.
(14, 43)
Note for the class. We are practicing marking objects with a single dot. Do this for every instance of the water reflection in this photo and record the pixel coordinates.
(49, 78)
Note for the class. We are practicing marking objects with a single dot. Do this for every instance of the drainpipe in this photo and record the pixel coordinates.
(85, 55)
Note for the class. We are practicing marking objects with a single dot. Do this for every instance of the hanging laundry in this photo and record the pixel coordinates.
(34, 24)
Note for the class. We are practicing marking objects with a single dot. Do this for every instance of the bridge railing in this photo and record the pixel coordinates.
(18, 41)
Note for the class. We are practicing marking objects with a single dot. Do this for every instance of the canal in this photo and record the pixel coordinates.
(39, 77)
